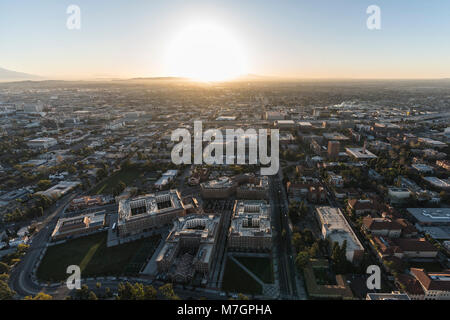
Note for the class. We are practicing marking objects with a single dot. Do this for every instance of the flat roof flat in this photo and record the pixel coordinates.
(431, 215)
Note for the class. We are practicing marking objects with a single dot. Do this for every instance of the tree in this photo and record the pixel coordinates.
(297, 241)
(339, 257)
(302, 259)
(242, 297)
(44, 184)
(167, 291)
(39, 296)
(314, 250)
(82, 293)
(92, 296)
(150, 292)
(129, 291)
(6, 293)
(108, 292)
(4, 268)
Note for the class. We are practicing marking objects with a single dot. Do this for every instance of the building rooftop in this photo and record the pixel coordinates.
(360, 153)
(220, 183)
(437, 182)
(86, 221)
(149, 204)
(387, 296)
(335, 136)
(431, 215)
(251, 218)
(337, 227)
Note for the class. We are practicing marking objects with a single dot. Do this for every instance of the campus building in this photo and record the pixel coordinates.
(189, 247)
(79, 225)
(59, 190)
(245, 186)
(221, 188)
(250, 228)
(143, 213)
(254, 189)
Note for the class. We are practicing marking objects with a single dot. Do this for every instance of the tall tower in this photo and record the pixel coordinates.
(333, 149)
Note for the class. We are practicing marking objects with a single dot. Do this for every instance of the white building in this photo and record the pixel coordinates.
(336, 228)
(42, 143)
(398, 195)
(60, 189)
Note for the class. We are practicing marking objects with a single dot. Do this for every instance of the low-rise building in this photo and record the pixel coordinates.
(398, 195)
(387, 296)
(42, 143)
(436, 285)
(79, 225)
(360, 153)
(60, 189)
(431, 216)
(404, 248)
(363, 206)
(335, 227)
(422, 168)
(382, 227)
(86, 202)
(437, 183)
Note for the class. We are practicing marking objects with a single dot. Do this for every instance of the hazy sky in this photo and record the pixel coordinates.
(307, 39)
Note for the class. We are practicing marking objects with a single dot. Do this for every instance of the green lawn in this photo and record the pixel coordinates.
(127, 176)
(93, 257)
(261, 267)
(237, 280)
(145, 251)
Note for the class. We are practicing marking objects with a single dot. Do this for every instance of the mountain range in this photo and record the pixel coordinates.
(9, 75)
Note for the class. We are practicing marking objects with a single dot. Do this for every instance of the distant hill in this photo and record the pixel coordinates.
(156, 78)
(9, 75)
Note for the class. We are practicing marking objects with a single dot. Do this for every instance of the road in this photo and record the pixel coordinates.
(288, 287)
(20, 279)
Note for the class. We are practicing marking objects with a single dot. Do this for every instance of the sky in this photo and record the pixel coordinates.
(298, 39)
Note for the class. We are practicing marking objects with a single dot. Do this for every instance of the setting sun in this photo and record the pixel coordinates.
(205, 52)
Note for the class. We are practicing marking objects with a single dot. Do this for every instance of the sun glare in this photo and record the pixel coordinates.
(205, 52)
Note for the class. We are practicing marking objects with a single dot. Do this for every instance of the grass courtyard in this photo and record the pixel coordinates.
(127, 176)
(261, 267)
(94, 258)
(237, 280)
